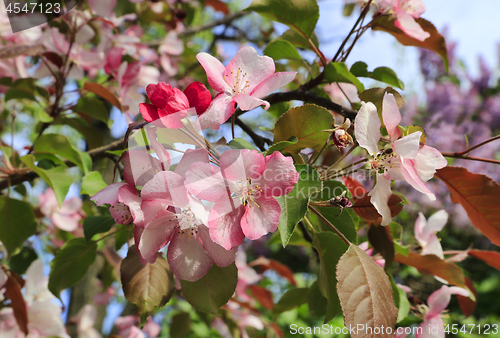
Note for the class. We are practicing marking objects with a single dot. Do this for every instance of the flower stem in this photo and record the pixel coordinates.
(323, 218)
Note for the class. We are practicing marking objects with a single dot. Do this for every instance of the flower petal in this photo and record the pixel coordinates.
(279, 176)
(66, 222)
(215, 70)
(71, 206)
(198, 96)
(177, 102)
(247, 69)
(272, 83)
(187, 256)
(438, 301)
(427, 161)
(191, 156)
(367, 127)
(391, 115)
(137, 239)
(129, 196)
(261, 217)
(410, 174)
(108, 195)
(380, 195)
(159, 94)
(174, 120)
(157, 233)
(218, 254)
(168, 188)
(246, 102)
(206, 182)
(408, 146)
(140, 167)
(407, 24)
(433, 247)
(162, 153)
(219, 111)
(427, 329)
(224, 226)
(240, 164)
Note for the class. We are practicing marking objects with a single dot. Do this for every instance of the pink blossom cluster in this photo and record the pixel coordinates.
(203, 208)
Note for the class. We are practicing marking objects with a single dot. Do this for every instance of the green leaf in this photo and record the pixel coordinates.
(403, 305)
(300, 15)
(401, 249)
(124, 232)
(387, 75)
(316, 301)
(281, 145)
(435, 42)
(294, 205)
(359, 69)
(18, 94)
(213, 290)
(42, 115)
(279, 49)
(92, 106)
(307, 123)
(21, 262)
(92, 135)
(60, 145)
(57, 178)
(181, 325)
(17, 223)
(292, 299)
(239, 143)
(92, 183)
(97, 224)
(338, 72)
(343, 221)
(70, 264)
(298, 40)
(331, 189)
(376, 96)
(330, 248)
(148, 286)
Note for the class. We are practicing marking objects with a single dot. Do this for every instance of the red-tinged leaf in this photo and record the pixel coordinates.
(478, 195)
(466, 303)
(381, 239)
(263, 296)
(492, 258)
(365, 209)
(218, 5)
(55, 58)
(13, 292)
(365, 294)
(355, 188)
(277, 330)
(281, 269)
(435, 42)
(103, 92)
(433, 265)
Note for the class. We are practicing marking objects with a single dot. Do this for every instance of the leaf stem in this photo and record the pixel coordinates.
(323, 218)
(340, 159)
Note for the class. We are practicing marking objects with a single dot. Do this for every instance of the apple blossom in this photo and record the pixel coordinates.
(66, 217)
(243, 189)
(404, 160)
(425, 232)
(123, 199)
(177, 217)
(406, 11)
(436, 304)
(170, 105)
(85, 320)
(245, 80)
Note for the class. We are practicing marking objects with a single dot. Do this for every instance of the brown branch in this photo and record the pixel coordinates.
(470, 158)
(308, 97)
(30, 175)
(259, 141)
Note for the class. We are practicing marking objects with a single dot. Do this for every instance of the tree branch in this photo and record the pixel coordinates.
(308, 97)
(259, 141)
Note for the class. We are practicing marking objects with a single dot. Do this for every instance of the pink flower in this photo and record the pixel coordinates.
(425, 232)
(127, 329)
(242, 189)
(247, 78)
(364, 246)
(170, 105)
(85, 320)
(66, 217)
(437, 303)
(177, 217)
(124, 201)
(405, 160)
(246, 276)
(406, 11)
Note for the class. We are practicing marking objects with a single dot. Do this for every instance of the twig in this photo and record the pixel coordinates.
(470, 158)
(478, 145)
(257, 139)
